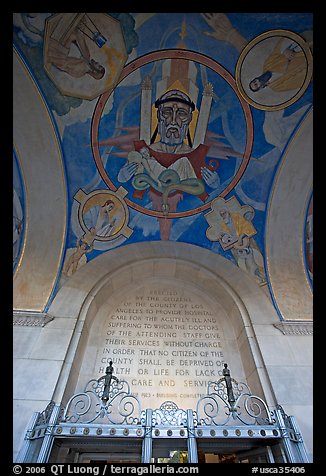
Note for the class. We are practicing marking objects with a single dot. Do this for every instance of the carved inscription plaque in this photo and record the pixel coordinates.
(167, 343)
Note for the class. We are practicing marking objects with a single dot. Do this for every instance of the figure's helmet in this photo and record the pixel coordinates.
(175, 95)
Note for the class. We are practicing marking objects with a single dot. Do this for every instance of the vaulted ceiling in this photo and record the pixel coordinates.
(94, 92)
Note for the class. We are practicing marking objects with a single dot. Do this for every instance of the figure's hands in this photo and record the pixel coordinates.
(135, 157)
(220, 24)
(223, 30)
(210, 177)
(126, 172)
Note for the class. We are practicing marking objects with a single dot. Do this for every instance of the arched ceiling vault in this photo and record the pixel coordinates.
(247, 156)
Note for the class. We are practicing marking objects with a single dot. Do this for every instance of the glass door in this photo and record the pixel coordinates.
(169, 450)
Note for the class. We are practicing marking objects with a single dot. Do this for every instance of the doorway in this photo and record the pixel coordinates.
(93, 450)
(164, 450)
(169, 450)
(239, 451)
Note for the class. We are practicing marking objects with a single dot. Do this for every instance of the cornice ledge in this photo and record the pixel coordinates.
(300, 328)
(31, 319)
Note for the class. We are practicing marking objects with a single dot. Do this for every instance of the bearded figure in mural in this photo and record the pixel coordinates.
(169, 167)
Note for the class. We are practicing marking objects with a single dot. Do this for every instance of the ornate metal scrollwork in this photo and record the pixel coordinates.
(169, 414)
(217, 408)
(121, 407)
(44, 416)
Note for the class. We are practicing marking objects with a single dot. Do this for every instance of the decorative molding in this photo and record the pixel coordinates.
(295, 328)
(31, 319)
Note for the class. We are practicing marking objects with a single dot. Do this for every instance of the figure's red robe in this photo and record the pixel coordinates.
(197, 159)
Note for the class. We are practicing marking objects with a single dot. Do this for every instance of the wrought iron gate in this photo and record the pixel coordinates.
(228, 412)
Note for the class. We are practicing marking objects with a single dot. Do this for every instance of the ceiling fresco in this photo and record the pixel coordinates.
(172, 126)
